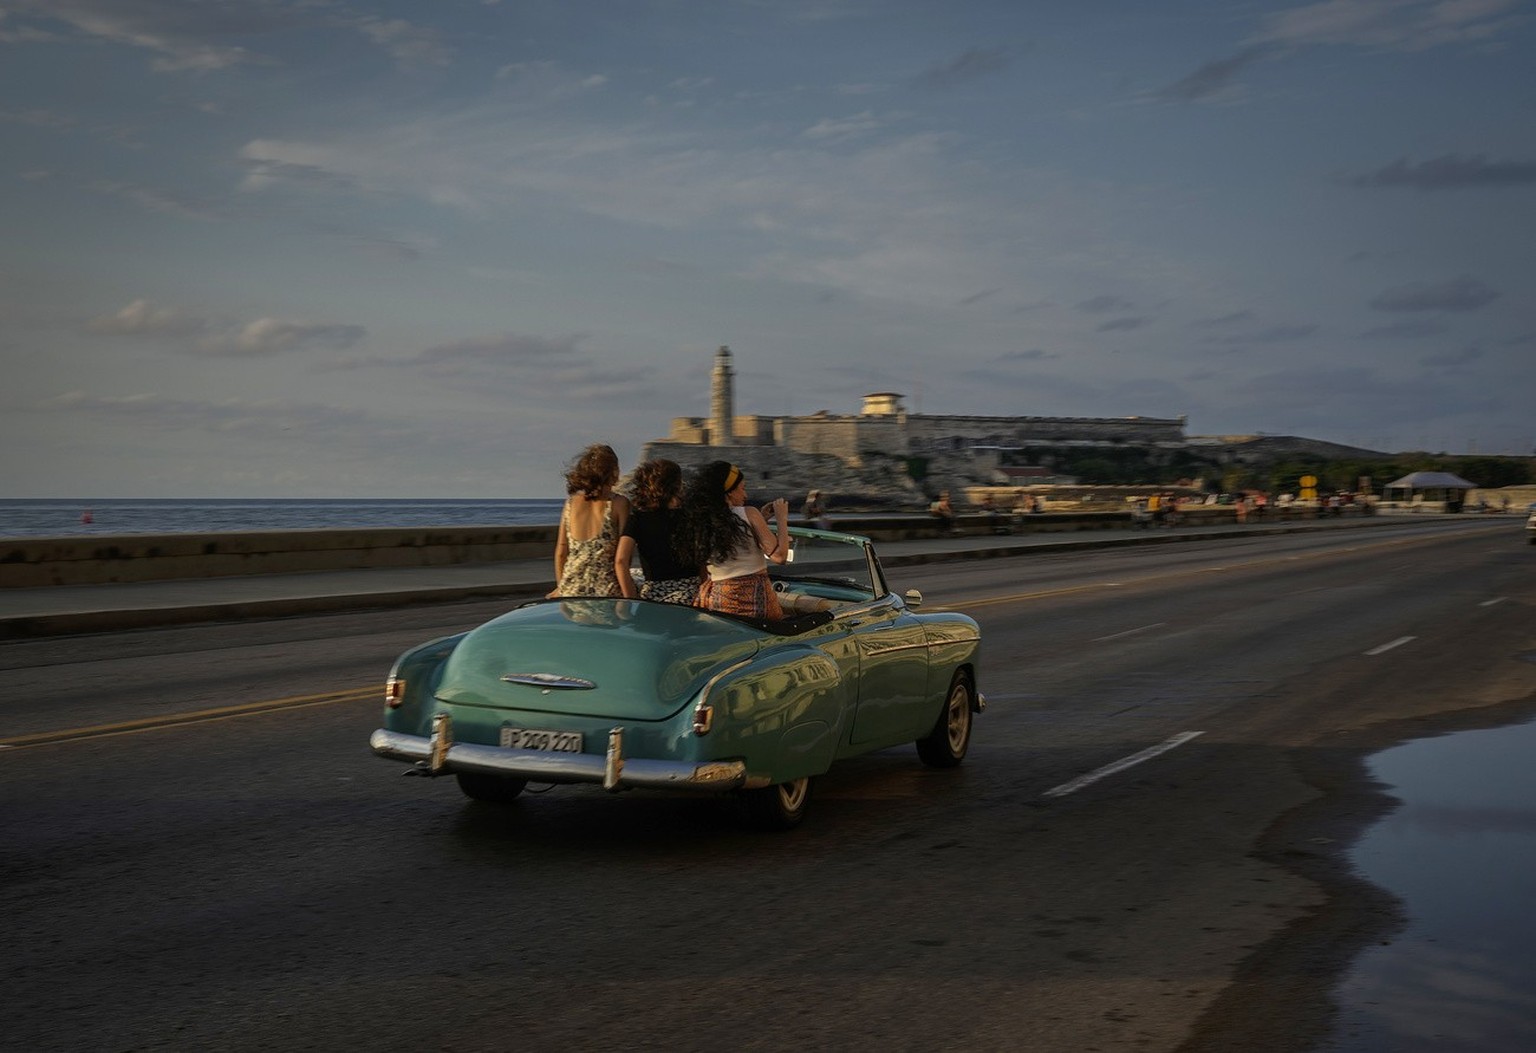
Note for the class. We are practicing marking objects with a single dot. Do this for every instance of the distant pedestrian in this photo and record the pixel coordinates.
(944, 512)
(814, 511)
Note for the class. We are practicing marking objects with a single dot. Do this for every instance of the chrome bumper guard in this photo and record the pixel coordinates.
(440, 755)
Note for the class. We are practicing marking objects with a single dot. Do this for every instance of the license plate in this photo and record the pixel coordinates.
(532, 739)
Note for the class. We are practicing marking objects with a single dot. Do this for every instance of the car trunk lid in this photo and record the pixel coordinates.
(612, 659)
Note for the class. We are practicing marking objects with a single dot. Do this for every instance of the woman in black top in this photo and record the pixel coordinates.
(657, 489)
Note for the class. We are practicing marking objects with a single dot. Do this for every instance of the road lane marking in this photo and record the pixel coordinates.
(1122, 764)
(1388, 646)
(1128, 632)
(1149, 579)
(201, 716)
(1490, 603)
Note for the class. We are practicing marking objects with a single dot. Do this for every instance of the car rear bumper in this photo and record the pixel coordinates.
(440, 755)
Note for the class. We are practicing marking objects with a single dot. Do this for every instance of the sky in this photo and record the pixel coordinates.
(337, 248)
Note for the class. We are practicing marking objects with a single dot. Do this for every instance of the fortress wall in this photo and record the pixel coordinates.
(853, 439)
(949, 432)
(752, 431)
(689, 430)
(773, 471)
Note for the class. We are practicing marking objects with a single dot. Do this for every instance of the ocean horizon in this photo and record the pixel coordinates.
(95, 516)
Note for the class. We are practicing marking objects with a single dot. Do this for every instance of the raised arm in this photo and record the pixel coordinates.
(774, 543)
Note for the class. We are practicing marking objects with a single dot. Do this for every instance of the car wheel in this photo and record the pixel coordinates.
(945, 745)
(778, 807)
(497, 789)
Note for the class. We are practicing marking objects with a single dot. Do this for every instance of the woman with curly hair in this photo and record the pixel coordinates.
(590, 524)
(656, 498)
(732, 543)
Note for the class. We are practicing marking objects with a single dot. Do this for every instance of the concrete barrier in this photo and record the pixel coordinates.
(33, 562)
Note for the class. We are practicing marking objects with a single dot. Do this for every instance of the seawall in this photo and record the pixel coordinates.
(39, 562)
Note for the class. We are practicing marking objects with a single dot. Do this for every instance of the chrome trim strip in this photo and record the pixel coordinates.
(873, 651)
(704, 694)
(538, 766)
(549, 681)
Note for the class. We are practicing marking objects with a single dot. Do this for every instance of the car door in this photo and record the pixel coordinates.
(893, 674)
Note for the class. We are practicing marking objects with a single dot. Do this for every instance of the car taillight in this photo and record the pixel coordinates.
(703, 718)
(394, 692)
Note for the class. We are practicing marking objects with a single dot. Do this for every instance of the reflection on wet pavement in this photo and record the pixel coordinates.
(1460, 853)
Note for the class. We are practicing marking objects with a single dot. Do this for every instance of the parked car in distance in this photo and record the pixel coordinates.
(637, 694)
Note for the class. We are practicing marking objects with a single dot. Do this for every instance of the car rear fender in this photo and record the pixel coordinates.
(419, 670)
(783, 714)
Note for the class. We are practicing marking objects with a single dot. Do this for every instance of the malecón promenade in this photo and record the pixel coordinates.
(230, 577)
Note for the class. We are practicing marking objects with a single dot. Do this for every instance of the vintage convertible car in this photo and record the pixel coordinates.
(631, 693)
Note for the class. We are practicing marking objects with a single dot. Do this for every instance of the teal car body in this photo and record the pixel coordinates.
(639, 694)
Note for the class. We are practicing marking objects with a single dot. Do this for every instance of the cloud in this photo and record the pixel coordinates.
(844, 127)
(1214, 79)
(1450, 172)
(196, 38)
(1284, 334)
(534, 367)
(548, 81)
(1032, 355)
(1235, 318)
(263, 170)
(1120, 325)
(263, 336)
(972, 64)
(176, 34)
(156, 200)
(410, 45)
(142, 319)
(163, 413)
(1392, 25)
(272, 336)
(1458, 294)
(1104, 304)
(1409, 329)
(501, 350)
(1466, 356)
(977, 297)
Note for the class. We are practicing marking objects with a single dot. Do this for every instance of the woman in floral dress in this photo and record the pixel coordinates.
(590, 524)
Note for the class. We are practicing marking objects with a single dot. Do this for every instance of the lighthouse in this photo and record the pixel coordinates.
(722, 408)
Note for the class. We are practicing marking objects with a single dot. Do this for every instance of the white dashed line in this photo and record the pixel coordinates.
(1490, 603)
(1128, 632)
(1388, 646)
(1120, 765)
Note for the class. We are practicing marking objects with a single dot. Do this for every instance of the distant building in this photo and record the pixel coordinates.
(883, 450)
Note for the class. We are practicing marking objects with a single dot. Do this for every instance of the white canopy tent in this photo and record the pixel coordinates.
(1427, 487)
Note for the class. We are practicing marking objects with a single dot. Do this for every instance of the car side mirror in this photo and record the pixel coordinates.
(914, 599)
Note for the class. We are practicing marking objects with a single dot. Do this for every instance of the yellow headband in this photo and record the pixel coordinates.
(732, 478)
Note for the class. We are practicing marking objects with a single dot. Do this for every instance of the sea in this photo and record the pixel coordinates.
(77, 517)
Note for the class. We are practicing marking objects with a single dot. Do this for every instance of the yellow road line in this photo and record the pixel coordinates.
(167, 720)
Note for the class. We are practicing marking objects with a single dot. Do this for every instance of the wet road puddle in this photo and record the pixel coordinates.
(1460, 852)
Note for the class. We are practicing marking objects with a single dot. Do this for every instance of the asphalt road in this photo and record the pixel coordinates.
(198, 851)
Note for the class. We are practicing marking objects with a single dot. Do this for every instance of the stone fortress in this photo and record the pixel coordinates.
(867, 457)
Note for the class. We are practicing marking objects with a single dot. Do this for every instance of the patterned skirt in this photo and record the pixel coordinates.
(677, 590)
(750, 595)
